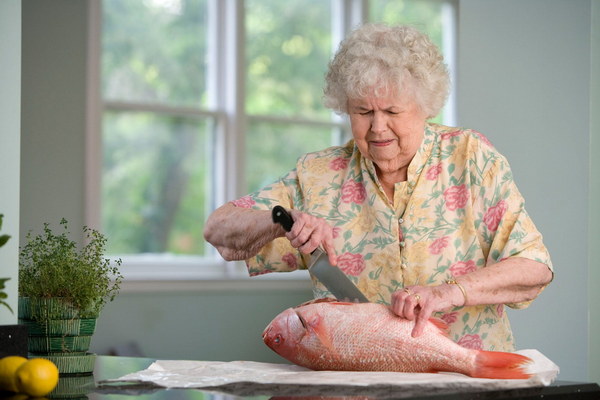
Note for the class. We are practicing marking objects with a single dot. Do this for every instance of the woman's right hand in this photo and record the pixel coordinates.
(310, 232)
(239, 233)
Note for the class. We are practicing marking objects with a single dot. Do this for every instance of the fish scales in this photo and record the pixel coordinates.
(369, 337)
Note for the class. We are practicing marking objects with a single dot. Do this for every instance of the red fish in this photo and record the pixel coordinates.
(370, 337)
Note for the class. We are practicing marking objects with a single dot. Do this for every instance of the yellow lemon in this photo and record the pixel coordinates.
(37, 377)
(8, 367)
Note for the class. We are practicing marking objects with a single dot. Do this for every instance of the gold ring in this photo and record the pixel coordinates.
(417, 298)
(407, 290)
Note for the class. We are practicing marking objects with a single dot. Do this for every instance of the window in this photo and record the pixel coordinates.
(202, 101)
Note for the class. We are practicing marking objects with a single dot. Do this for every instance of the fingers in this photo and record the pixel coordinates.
(414, 303)
(310, 232)
(421, 319)
(330, 250)
(405, 302)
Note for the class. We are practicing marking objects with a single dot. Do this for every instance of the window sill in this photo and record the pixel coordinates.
(166, 273)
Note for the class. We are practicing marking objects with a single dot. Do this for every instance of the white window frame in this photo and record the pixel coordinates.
(226, 85)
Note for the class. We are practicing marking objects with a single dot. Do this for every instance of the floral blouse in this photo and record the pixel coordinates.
(458, 211)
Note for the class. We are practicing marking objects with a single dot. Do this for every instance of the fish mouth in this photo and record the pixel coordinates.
(266, 332)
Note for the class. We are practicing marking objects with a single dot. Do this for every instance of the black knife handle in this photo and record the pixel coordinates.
(282, 217)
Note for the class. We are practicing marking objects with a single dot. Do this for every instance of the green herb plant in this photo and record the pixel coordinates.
(3, 295)
(51, 266)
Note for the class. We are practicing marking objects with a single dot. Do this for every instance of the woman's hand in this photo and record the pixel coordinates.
(510, 281)
(310, 232)
(419, 302)
(239, 233)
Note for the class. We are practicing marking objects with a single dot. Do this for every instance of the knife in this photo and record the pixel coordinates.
(340, 286)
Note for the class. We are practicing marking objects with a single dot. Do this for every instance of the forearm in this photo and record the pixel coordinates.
(239, 233)
(513, 280)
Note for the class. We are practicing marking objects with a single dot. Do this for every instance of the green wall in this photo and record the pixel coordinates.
(195, 325)
(53, 113)
(594, 248)
(10, 103)
(524, 81)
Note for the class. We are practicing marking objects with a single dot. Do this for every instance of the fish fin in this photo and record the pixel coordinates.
(500, 365)
(441, 325)
(320, 331)
(315, 301)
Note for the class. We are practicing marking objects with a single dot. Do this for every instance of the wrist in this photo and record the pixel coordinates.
(461, 292)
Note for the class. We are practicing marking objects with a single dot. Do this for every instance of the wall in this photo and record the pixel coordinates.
(594, 241)
(524, 74)
(219, 325)
(53, 113)
(10, 104)
(524, 77)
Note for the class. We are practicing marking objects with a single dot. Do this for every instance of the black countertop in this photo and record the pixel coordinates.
(108, 367)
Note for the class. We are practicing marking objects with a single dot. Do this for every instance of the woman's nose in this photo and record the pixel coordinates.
(379, 123)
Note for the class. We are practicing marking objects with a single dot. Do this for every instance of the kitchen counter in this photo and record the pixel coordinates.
(108, 367)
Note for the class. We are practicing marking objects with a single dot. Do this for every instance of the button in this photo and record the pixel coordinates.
(400, 220)
(402, 243)
(403, 266)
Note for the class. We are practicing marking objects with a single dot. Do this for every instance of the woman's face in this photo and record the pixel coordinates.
(387, 130)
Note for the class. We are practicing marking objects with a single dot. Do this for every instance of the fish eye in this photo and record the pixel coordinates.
(278, 339)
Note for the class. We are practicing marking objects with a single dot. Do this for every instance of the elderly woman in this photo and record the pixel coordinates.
(420, 216)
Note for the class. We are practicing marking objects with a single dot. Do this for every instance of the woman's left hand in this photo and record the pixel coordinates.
(512, 280)
(419, 302)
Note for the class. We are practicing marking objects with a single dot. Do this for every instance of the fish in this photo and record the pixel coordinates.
(340, 336)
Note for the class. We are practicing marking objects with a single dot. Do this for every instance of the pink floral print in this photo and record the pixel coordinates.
(438, 245)
(448, 135)
(456, 197)
(353, 192)
(494, 215)
(450, 318)
(500, 310)
(351, 264)
(338, 164)
(471, 342)
(462, 268)
(433, 172)
(244, 202)
(290, 260)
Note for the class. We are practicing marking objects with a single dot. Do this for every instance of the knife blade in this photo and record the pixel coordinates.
(340, 286)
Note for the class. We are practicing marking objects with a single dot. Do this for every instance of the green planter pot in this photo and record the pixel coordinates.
(60, 327)
(57, 332)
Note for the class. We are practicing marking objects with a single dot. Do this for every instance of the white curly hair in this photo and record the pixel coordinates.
(377, 58)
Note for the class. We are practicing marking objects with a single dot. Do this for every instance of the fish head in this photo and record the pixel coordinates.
(285, 333)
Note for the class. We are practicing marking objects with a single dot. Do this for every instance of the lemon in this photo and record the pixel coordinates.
(37, 377)
(8, 367)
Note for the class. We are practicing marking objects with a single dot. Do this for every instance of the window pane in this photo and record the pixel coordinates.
(273, 148)
(154, 51)
(425, 15)
(288, 46)
(155, 182)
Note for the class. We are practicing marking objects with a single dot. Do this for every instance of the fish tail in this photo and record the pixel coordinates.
(500, 365)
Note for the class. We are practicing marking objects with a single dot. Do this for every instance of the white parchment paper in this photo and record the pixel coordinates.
(213, 374)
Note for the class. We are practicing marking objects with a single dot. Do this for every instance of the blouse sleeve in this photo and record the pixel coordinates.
(278, 255)
(503, 224)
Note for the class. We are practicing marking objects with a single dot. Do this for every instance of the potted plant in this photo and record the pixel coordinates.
(62, 290)
(13, 338)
